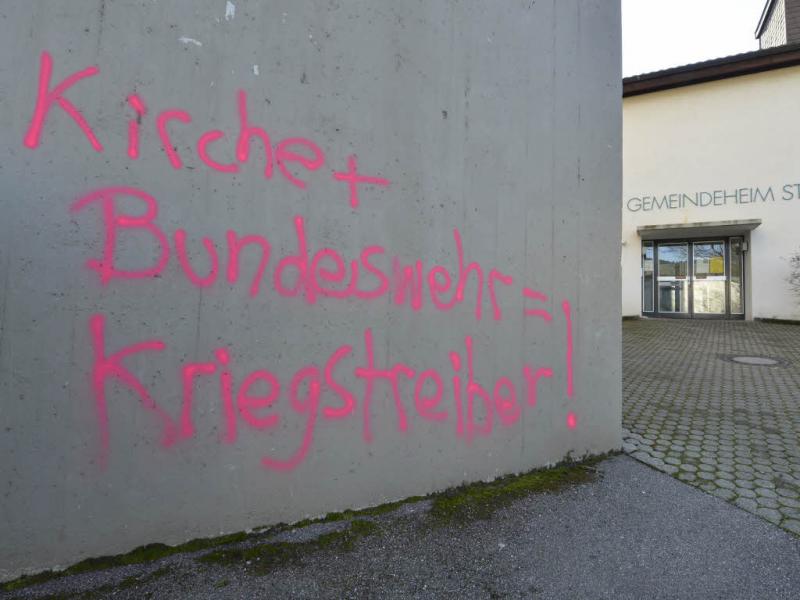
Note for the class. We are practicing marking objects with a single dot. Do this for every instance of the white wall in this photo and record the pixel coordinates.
(736, 133)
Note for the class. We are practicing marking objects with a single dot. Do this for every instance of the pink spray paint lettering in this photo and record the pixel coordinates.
(302, 273)
(113, 221)
(46, 97)
(253, 400)
(354, 179)
(292, 155)
(360, 383)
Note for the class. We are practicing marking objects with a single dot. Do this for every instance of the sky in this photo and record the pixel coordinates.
(658, 34)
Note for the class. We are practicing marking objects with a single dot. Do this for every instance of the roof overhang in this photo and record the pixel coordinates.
(705, 229)
(748, 63)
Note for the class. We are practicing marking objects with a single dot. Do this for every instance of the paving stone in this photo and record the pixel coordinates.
(629, 448)
(724, 483)
(763, 470)
(790, 513)
(766, 492)
(770, 514)
(724, 494)
(790, 502)
(747, 504)
(725, 433)
(767, 502)
(791, 525)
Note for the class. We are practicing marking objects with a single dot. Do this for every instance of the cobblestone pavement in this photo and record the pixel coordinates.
(731, 429)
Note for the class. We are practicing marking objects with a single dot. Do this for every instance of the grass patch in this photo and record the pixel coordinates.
(480, 500)
(263, 558)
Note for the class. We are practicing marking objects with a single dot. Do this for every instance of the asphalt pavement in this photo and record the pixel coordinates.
(630, 532)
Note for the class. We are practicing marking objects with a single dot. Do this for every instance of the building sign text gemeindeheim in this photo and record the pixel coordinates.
(722, 197)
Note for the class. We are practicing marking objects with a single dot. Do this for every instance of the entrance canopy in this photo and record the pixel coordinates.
(692, 230)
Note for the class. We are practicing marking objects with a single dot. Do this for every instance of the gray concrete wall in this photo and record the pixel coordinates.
(500, 121)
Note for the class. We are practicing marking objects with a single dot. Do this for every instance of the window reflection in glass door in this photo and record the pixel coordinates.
(708, 280)
(673, 270)
(736, 269)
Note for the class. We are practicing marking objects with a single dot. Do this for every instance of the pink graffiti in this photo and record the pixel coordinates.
(254, 399)
(202, 151)
(533, 377)
(235, 247)
(284, 155)
(301, 273)
(163, 118)
(113, 221)
(354, 179)
(572, 419)
(247, 131)
(188, 374)
(370, 373)
(291, 155)
(310, 406)
(211, 249)
(426, 404)
(348, 406)
(134, 124)
(46, 97)
(537, 312)
(106, 366)
(508, 409)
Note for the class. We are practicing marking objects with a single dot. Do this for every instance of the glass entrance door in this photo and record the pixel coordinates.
(693, 278)
(673, 278)
(709, 279)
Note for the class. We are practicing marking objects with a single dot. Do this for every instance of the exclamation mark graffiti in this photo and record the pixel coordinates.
(572, 418)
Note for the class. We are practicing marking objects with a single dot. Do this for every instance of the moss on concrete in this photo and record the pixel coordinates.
(347, 515)
(263, 558)
(109, 589)
(142, 554)
(480, 500)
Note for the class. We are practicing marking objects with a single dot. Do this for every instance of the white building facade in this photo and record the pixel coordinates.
(711, 188)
